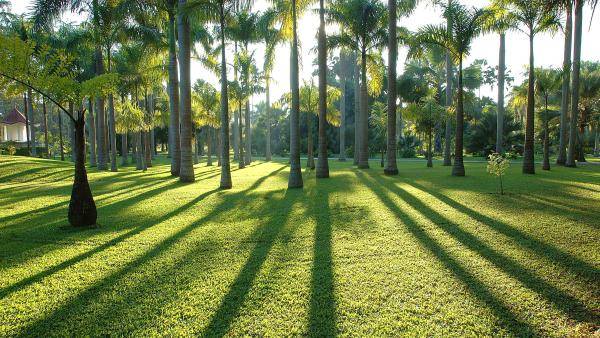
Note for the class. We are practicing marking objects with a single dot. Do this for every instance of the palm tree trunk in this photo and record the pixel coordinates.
(209, 150)
(342, 156)
(147, 150)
(597, 138)
(27, 122)
(46, 147)
(581, 141)
(112, 135)
(268, 122)
(195, 145)
(295, 178)
(32, 122)
(236, 119)
(322, 160)
(82, 208)
(248, 129)
(223, 139)
(546, 160)
(174, 133)
(429, 152)
(241, 157)
(392, 167)
(100, 116)
(500, 115)
(571, 153)
(356, 110)
(448, 130)
(459, 169)
(363, 154)
(310, 157)
(72, 135)
(528, 156)
(566, 77)
(92, 133)
(60, 136)
(186, 173)
(139, 158)
(124, 149)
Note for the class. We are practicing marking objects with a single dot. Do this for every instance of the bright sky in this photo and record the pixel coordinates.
(548, 48)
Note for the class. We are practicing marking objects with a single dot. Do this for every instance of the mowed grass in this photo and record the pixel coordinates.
(358, 254)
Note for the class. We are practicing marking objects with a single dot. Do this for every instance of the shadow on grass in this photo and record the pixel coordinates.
(476, 287)
(78, 303)
(521, 238)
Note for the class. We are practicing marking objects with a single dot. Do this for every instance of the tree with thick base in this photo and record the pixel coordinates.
(186, 173)
(295, 177)
(82, 208)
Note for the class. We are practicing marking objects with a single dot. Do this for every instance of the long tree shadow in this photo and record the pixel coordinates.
(240, 287)
(477, 288)
(569, 305)
(322, 296)
(76, 304)
(567, 261)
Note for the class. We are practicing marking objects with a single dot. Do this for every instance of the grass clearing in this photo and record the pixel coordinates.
(358, 254)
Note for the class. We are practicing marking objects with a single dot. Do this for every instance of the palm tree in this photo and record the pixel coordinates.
(272, 37)
(322, 161)
(464, 26)
(426, 113)
(364, 30)
(534, 20)
(547, 83)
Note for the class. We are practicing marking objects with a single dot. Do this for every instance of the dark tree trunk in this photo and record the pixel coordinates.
(363, 154)
(459, 168)
(209, 132)
(356, 110)
(186, 172)
(310, 157)
(392, 167)
(223, 138)
(322, 160)
(174, 141)
(528, 153)
(46, 147)
(92, 133)
(546, 161)
(124, 148)
(448, 129)
(573, 137)
(60, 136)
(241, 157)
(429, 152)
(32, 122)
(295, 178)
(564, 105)
(27, 122)
(82, 208)
(268, 118)
(102, 151)
(248, 130)
(500, 116)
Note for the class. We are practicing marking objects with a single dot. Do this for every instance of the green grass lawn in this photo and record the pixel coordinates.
(358, 254)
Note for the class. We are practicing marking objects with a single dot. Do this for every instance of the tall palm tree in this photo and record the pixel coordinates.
(457, 37)
(186, 173)
(547, 83)
(406, 7)
(322, 160)
(534, 20)
(364, 30)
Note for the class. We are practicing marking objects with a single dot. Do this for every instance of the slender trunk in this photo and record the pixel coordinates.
(500, 116)
(139, 158)
(153, 143)
(27, 122)
(174, 140)
(363, 154)
(546, 161)
(566, 79)
(147, 150)
(92, 133)
(46, 147)
(392, 167)
(209, 150)
(60, 136)
(124, 149)
(322, 160)
(528, 153)
(241, 161)
(571, 153)
(72, 135)
(236, 120)
(82, 208)
(112, 133)
(295, 178)
(186, 173)
(448, 129)
(223, 139)
(429, 152)
(268, 122)
(310, 157)
(597, 138)
(459, 169)
(195, 145)
(356, 110)
(102, 151)
(248, 130)
(581, 139)
(342, 156)
(32, 122)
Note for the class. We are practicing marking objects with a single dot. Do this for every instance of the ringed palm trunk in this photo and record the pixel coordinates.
(356, 111)
(573, 137)
(268, 114)
(174, 140)
(459, 169)
(82, 208)
(342, 156)
(92, 133)
(564, 105)
(209, 131)
(32, 122)
(448, 130)
(391, 166)
(546, 161)
(295, 178)
(248, 130)
(528, 157)
(124, 148)
(186, 173)
(310, 157)
(322, 161)
(363, 154)
(112, 133)
(46, 147)
(241, 158)
(60, 136)
(223, 139)
(500, 115)
(101, 118)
